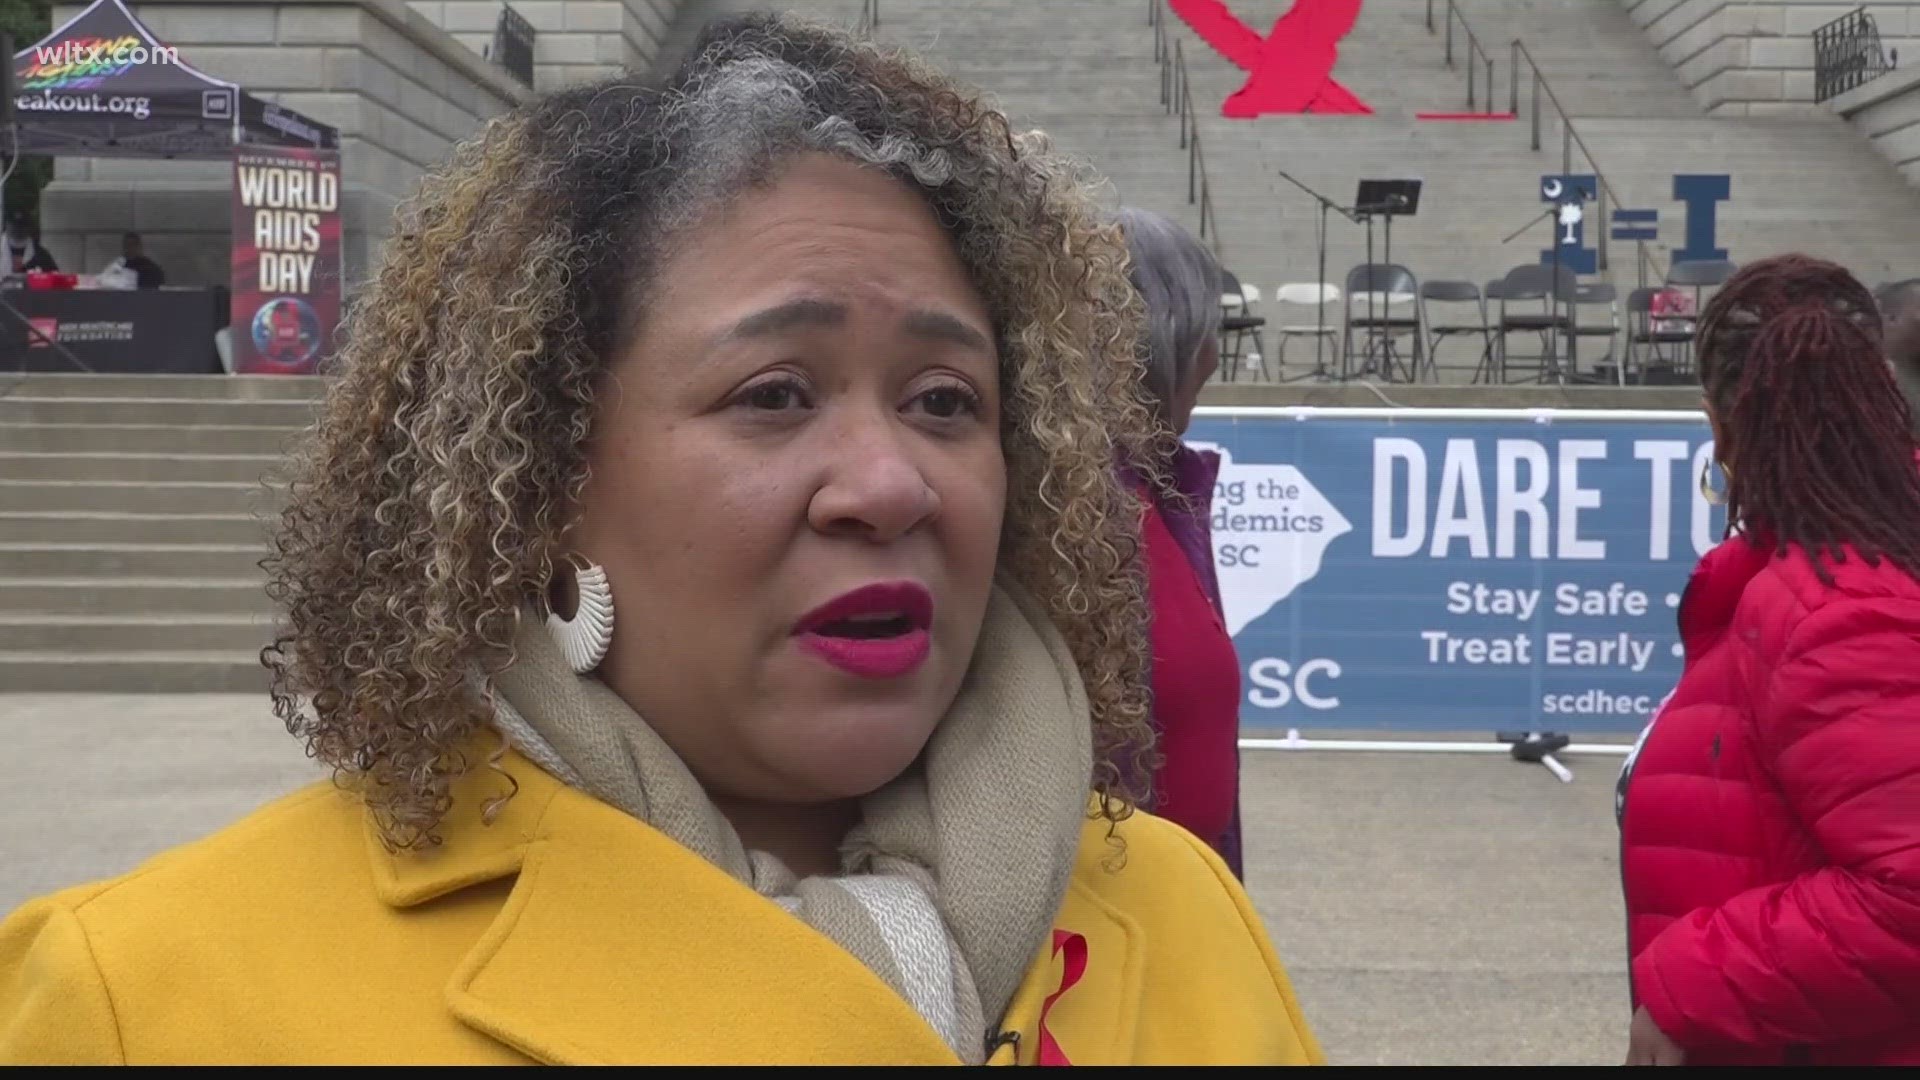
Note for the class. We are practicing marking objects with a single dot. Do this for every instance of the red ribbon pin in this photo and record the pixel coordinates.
(1073, 948)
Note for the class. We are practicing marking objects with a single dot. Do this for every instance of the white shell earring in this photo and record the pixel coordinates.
(584, 638)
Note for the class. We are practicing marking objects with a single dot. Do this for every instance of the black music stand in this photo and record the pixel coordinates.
(1387, 199)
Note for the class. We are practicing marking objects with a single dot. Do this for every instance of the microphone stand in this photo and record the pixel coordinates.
(1320, 288)
(1373, 294)
(1392, 207)
(1553, 297)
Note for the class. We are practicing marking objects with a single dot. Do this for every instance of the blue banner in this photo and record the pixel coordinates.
(1456, 570)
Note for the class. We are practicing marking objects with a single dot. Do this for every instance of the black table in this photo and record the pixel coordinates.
(117, 331)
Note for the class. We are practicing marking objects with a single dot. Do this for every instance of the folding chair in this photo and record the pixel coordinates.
(1700, 275)
(1374, 291)
(1592, 296)
(1453, 292)
(1237, 321)
(1644, 341)
(1554, 319)
(1310, 294)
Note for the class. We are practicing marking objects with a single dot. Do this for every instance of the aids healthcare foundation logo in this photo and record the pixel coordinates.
(1271, 531)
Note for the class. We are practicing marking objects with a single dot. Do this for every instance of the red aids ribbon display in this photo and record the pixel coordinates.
(1291, 69)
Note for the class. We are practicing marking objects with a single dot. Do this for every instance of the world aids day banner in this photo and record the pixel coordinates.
(1456, 570)
(286, 258)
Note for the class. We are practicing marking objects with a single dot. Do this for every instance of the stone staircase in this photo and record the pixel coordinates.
(1083, 70)
(131, 529)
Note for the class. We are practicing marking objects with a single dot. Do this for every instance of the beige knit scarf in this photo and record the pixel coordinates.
(950, 883)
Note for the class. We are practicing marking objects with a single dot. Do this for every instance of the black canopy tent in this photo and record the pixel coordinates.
(101, 85)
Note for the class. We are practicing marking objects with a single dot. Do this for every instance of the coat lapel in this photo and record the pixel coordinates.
(619, 946)
(1089, 1020)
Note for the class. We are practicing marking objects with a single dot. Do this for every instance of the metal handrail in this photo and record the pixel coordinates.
(1475, 52)
(1570, 138)
(1176, 96)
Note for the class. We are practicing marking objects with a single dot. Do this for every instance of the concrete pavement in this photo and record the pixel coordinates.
(1441, 909)
(1432, 909)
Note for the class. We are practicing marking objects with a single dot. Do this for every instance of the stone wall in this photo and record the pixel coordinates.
(1887, 112)
(400, 89)
(1755, 57)
(575, 40)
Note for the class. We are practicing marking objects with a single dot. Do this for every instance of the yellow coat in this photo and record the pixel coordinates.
(568, 932)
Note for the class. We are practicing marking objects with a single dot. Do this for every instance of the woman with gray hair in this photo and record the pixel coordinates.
(709, 583)
(1196, 673)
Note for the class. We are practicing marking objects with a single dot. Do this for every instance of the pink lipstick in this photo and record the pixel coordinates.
(879, 631)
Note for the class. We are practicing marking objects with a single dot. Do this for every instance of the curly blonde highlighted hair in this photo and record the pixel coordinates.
(427, 505)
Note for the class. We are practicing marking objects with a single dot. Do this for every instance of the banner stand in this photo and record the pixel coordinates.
(1293, 741)
(286, 258)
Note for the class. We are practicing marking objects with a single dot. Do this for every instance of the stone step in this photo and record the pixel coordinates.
(137, 560)
(77, 527)
(223, 387)
(133, 497)
(151, 672)
(144, 439)
(144, 468)
(178, 412)
(83, 634)
(133, 596)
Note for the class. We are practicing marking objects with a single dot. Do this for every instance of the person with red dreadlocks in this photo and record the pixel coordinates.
(1770, 847)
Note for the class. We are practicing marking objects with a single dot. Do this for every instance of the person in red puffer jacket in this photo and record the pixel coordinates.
(1770, 820)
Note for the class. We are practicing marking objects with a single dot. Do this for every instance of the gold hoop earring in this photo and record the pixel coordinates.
(1707, 491)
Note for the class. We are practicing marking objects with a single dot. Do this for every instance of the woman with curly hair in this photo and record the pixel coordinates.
(710, 586)
(1771, 817)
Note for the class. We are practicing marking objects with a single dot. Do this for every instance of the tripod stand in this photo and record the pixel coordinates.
(1387, 199)
(1320, 286)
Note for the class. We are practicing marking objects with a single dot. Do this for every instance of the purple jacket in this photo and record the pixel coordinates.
(1193, 475)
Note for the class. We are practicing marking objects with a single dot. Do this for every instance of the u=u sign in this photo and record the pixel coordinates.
(1291, 69)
